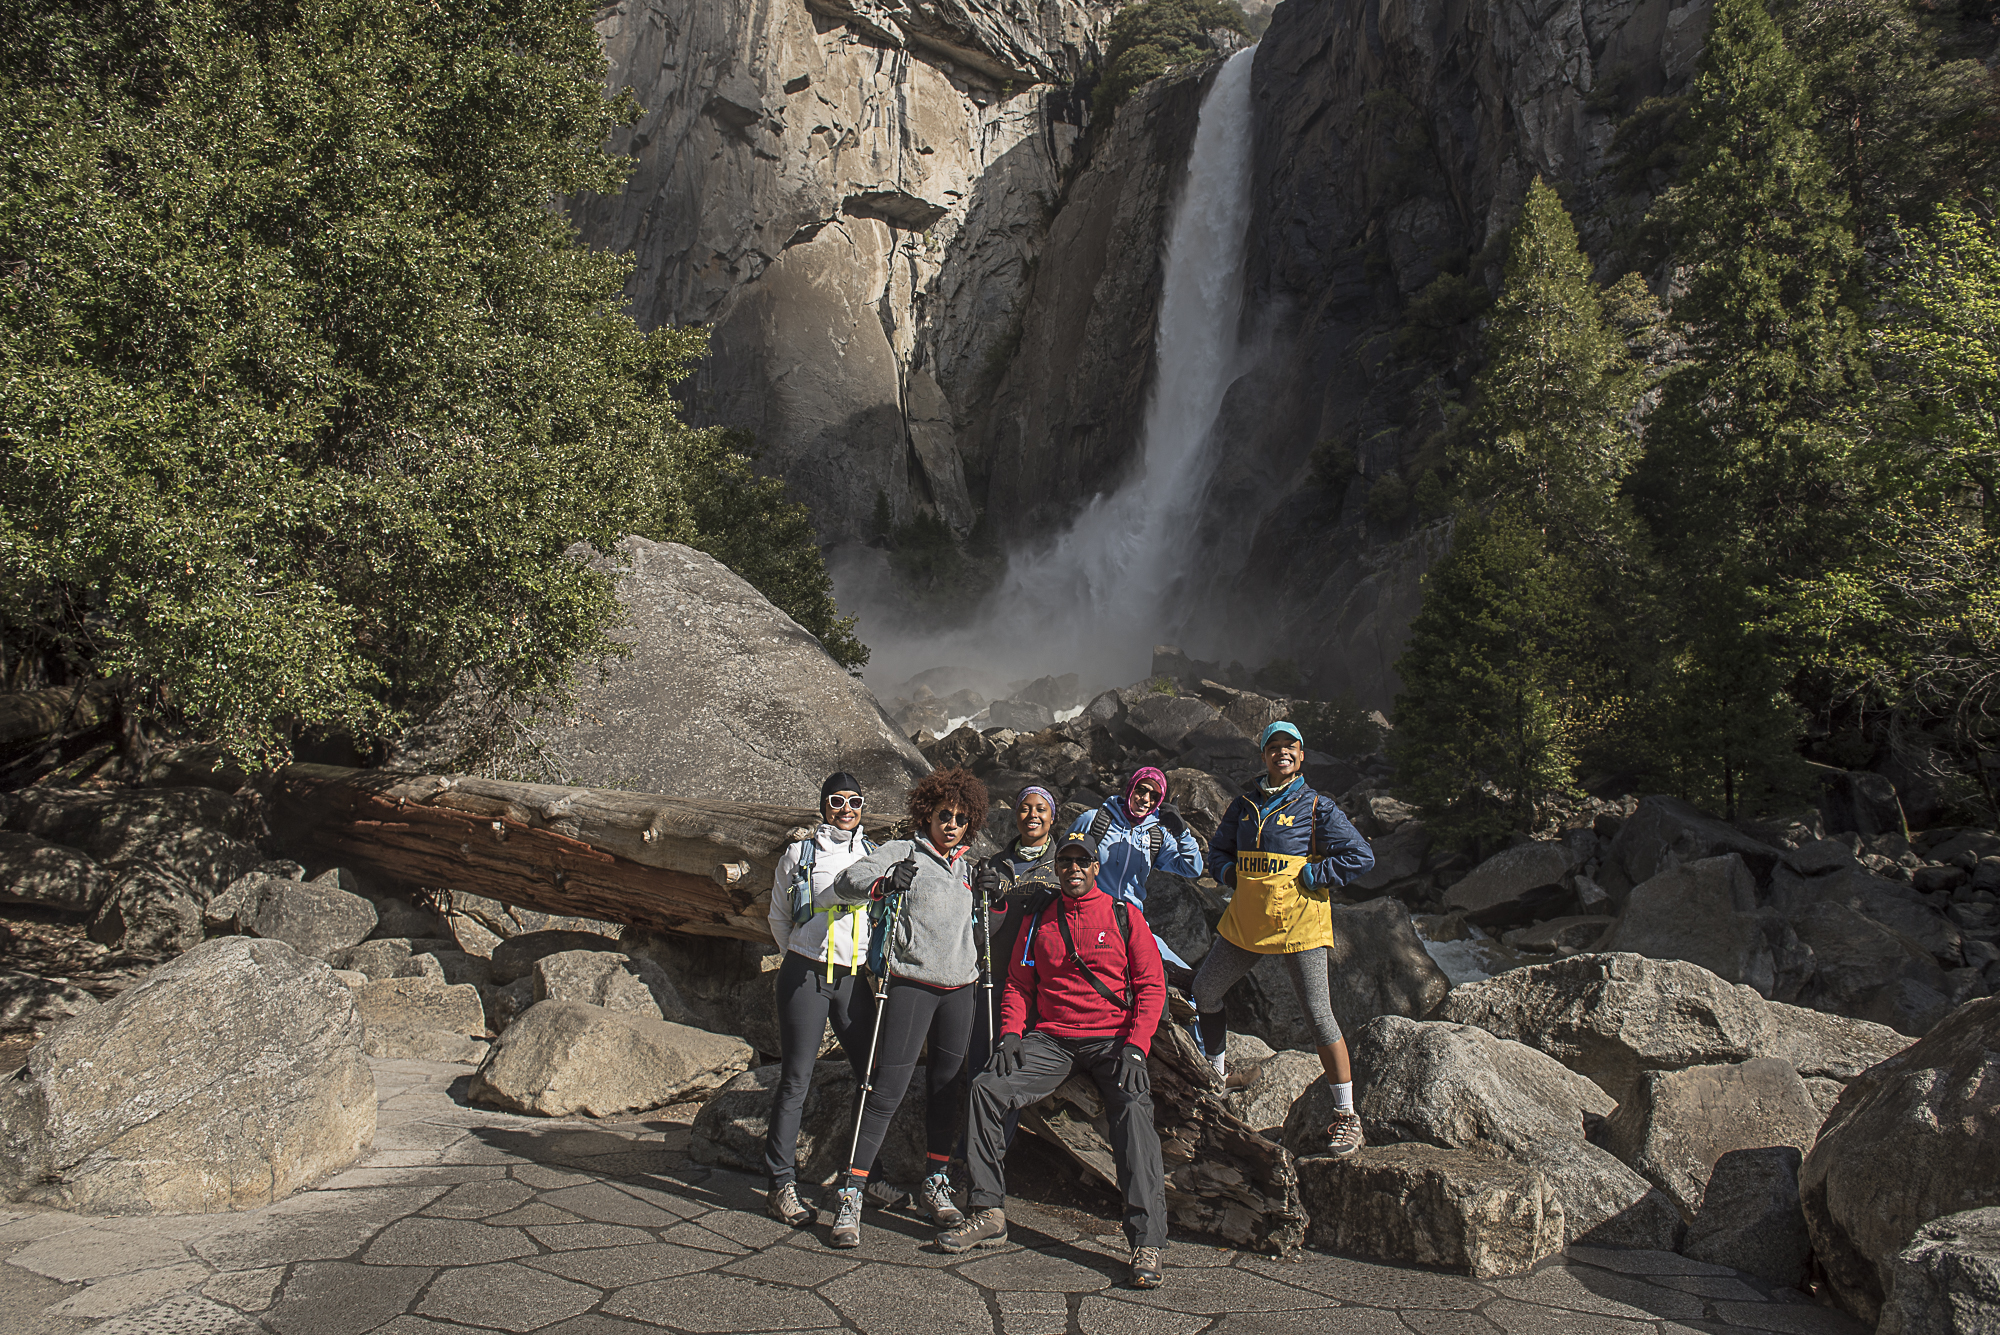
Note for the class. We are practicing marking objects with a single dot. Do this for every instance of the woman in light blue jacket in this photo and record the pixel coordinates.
(1136, 833)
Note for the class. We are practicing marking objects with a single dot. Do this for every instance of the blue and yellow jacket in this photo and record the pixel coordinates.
(1287, 851)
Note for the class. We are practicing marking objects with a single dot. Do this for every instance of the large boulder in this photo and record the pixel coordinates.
(1860, 803)
(149, 911)
(1678, 1124)
(405, 957)
(1750, 1218)
(1399, 855)
(560, 1058)
(632, 984)
(1948, 1279)
(223, 1080)
(1473, 1213)
(1613, 1016)
(1165, 721)
(1705, 912)
(422, 1019)
(1865, 970)
(1264, 1099)
(1665, 832)
(51, 876)
(313, 918)
(169, 825)
(1894, 904)
(1912, 1139)
(1459, 1087)
(1511, 876)
(723, 697)
(729, 1130)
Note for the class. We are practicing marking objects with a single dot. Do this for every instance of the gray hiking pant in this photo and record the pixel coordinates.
(806, 1001)
(1227, 962)
(1135, 1145)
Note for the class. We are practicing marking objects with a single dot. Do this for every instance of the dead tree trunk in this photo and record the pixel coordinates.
(674, 864)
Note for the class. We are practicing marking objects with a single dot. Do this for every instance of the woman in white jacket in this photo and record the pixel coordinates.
(824, 949)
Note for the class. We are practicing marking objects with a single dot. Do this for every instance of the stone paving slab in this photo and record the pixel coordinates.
(463, 1221)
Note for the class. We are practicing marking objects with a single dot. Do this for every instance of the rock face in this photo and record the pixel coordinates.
(27, 1002)
(314, 920)
(636, 986)
(1912, 1139)
(1679, 1124)
(565, 1057)
(224, 1080)
(722, 697)
(517, 956)
(425, 1019)
(1477, 1214)
(1666, 832)
(1948, 1278)
(851, 196)
(35, 871)
(1705, 912)
(1265, 1099)
(1750, 1218)
(1510, 875)
(729, 1130)
(1458, 1087)
(1612, 1017)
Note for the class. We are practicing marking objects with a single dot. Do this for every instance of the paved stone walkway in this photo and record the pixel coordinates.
(464, 1218)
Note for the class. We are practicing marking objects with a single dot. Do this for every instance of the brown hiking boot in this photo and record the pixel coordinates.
(1343, 1135)
(983, 1228)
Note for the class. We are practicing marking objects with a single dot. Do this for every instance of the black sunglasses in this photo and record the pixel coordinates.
(836, 802)
(951, 818)
(1074, 862)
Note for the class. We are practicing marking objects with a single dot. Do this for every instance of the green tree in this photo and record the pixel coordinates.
(1742, 468)
(304, 386)
(1145, 40)
(1490, 714)
(748, 523)
(1550, 427)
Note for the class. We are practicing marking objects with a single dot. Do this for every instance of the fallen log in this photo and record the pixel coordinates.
(669, 863)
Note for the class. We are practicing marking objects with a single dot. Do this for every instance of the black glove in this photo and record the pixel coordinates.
(1133, 1077)
(1170, 819)
(1006, 1056)
(902, 876)
(990, 883)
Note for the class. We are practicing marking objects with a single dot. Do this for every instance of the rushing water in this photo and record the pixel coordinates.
(1096, 599)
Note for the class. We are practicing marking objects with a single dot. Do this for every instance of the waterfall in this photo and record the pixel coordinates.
(1097, 598)
(1114, 574)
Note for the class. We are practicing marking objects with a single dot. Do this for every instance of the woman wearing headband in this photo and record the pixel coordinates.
(1135, 834)
(824, 945)
(1285, 849)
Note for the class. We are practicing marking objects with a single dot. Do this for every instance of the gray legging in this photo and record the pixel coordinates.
(1225, 966)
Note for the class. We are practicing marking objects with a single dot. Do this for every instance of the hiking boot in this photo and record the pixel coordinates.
(847, 1217)
(1146, 1268)
(935, 1195)
(1343, 1135)
(986, 1228)
(783, 1204)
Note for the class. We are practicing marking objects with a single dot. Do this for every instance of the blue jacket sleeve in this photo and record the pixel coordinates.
(1346, 856)
(1222, 847)
(1181, 856)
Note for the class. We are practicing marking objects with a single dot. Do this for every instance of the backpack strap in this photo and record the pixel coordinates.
(801, 887)
(1125, 927)
(1100, 825)
(1158, 839)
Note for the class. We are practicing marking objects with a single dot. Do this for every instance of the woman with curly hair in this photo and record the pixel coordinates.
(930, 961)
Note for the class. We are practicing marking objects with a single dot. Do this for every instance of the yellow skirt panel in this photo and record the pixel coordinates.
(1270, 914)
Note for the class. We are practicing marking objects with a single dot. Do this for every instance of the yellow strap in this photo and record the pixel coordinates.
(852, 911)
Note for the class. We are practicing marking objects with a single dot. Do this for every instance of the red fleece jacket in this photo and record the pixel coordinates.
(1041, 974)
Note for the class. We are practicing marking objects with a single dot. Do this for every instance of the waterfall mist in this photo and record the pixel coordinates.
(1099, 596)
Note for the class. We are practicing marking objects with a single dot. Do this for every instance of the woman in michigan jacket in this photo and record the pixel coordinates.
(1285, 848)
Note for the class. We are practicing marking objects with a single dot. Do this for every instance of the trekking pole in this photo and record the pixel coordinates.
(986, 965)
(875, 1038)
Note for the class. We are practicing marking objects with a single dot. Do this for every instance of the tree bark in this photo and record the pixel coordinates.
(669, 863)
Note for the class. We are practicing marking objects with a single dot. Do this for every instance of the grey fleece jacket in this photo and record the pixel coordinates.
(934, 938)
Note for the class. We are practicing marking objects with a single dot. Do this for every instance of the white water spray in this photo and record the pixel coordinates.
(1097, 598)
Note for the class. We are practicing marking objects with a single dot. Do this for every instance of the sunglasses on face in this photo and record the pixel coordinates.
(837, 802)
(951, 818)
(1074, 862)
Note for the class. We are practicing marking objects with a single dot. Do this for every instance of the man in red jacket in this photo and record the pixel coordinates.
(1087, 968)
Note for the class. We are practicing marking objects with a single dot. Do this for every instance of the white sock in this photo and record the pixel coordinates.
(1343, 1096)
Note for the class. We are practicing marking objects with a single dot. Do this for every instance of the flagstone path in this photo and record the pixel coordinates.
(464, 1219)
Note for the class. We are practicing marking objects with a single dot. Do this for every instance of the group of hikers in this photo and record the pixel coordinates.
(903, 947)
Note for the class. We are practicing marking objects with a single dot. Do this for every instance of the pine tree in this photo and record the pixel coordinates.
(1486, 724)
(1550, 426)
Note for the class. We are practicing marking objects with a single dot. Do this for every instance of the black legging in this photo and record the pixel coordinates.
(806, 1001)
(911, 1013)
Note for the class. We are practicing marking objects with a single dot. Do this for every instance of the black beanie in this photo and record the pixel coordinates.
(841, 782)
